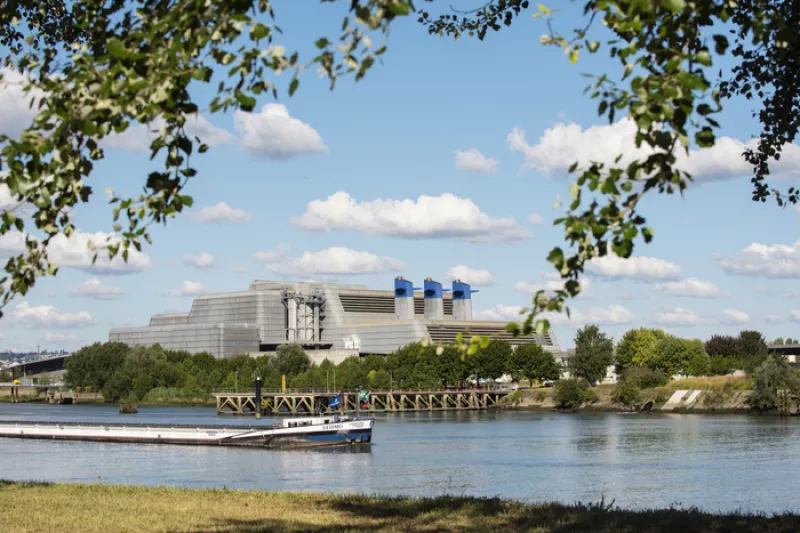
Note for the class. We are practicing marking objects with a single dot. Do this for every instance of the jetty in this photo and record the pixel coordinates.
(314, 402)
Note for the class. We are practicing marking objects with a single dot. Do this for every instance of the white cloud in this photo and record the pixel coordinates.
(772, 318)
(60, 337)
(11, 244)
(535, 218)
(678, 316)
(794, 315)
(11, 203)
(221, 212)
(602, 316)
(501, 312)
(94, 288)
(274, 134)
(734, 316)
(47, 316)
(778, 261)
(334, 261)
(564, 144)
(16, 112)
(691, 287)
(552, 282)
(272, 256)
(474, 161)
(203, 260)
(432, 217)
(638, 268)
(188, 288)
(469, 275)
(138, 137)
(74, 252)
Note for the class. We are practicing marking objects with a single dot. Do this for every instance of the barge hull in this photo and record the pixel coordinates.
(346, 433)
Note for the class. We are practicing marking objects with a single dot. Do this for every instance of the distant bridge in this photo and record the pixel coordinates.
(40, 366)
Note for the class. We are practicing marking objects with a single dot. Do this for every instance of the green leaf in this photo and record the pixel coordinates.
(573, 56)
(321, 43)
(400, 8)
(574, 191)
(116, 48)
(259, 31)
(674, 5)
(720, 44)
(593, 46)
(293, 86)
(704, 58)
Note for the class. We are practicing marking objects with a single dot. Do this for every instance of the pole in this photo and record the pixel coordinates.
(258, 398)
(283, 383)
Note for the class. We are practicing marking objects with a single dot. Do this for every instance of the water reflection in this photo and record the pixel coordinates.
(643, 460)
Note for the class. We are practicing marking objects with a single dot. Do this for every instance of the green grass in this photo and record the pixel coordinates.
(74, 508)
(729, 383)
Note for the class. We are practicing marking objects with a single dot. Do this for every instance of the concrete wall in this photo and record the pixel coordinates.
(220, 340)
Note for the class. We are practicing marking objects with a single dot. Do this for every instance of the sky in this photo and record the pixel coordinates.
(444, 161)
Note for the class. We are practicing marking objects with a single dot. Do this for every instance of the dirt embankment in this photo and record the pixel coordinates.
(666, 399)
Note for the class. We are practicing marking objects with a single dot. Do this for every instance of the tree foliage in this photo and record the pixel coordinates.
(100, 68)
(772, 376)
(594, 353)
(668, 83)
(638, 347)
(534, 363)
(572, 393)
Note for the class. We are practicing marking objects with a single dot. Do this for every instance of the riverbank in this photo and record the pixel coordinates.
(75, 508)
(713, 395)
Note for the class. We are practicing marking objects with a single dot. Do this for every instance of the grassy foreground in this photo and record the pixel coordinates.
(73, 508)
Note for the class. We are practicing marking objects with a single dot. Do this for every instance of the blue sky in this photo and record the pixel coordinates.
(720, 263)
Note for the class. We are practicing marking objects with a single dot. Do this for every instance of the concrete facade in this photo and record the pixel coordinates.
(320, 317)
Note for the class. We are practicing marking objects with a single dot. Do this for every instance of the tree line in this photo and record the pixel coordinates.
(119, 371)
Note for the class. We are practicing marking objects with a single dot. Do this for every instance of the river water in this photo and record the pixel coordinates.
(717, 463)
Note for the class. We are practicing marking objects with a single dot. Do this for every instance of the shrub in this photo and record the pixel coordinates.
(772, 376)
(644, 378)
(540, 396)
(572, 393)
(627, 393)
(721, 366)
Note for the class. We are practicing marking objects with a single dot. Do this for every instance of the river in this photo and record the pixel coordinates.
(716, 463)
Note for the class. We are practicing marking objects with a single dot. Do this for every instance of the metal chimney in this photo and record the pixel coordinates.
(462, 300)
(434, 308)
(403, 299)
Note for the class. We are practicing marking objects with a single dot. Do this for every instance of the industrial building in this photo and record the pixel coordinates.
(328, 319)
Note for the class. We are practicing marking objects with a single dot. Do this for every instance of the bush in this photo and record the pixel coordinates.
(540, 396)
(644, 378)
(627, 393)
(722, 366)
(572, 393)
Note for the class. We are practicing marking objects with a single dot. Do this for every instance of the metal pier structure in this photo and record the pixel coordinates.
(304, 403)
